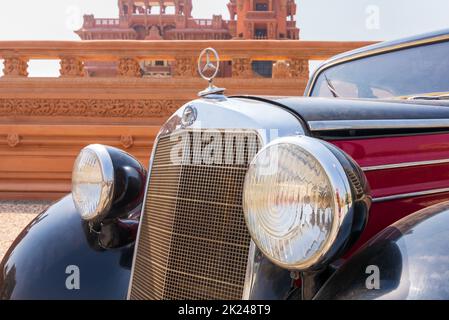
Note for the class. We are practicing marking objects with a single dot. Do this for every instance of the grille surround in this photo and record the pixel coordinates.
(203, 253)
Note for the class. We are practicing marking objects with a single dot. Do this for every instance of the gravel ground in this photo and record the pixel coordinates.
(14, 216)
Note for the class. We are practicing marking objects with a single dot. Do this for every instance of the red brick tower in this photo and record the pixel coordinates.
(263, 19)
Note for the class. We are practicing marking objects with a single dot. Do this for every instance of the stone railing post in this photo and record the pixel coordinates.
(293, 68)
(241, 67)
(281, 70)
(129, 68)
(71, 67)
(185, 67)
(299, 68)
(15, 67)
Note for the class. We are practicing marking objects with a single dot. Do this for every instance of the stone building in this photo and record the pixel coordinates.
(172, 20)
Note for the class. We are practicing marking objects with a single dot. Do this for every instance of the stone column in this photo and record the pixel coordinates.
(185, 67)
(129, 67)
(241, 67)
(281, 70)
(15, 67)
(188, 8)
(299, 68)
(71, 67)
(249, 32)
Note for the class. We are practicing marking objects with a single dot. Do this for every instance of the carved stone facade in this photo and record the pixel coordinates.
(185, 67)
(98, 108)
(13, 140)
(299, 68)
(281, 70)
(127, 141)
(294, 68)
(241, 68)
(71, 67)
(129, 67)
(15, 67)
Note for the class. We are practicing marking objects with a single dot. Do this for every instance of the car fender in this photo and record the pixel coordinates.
(56, 247)
(407, 260)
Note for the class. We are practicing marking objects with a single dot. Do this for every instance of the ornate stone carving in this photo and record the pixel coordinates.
(250, 30)
(71, 67)
(100, 108)
(241, 68)
(15, 67)
(185, 67)
(299, 68)
(13, 140)
(281, 70)
(154, 34)
(129, 67)
(127, 141)
(272, 31)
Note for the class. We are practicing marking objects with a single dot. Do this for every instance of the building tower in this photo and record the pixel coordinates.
(263, 19)
(154, 20)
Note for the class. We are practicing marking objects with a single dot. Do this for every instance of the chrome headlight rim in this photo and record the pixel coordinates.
(107, 184)
(341, 188)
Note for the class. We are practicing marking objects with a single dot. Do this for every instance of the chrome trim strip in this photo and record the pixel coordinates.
(410, 195)
(250, 271)
(370, 53)
(332, 125)
(150, 167)
(404, 165)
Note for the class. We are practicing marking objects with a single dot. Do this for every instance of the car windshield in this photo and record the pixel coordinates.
(408, 72)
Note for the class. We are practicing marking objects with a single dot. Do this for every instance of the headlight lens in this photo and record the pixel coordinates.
(93, 182)
(296, 196)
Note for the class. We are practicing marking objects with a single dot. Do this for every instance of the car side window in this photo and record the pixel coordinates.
(412, 71)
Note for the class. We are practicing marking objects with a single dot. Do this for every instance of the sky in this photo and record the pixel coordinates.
(335, 20)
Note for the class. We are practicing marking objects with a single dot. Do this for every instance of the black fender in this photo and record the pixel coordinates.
(35, 266)
(411, 257)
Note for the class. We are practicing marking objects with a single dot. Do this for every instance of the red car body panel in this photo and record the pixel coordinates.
(394, 181)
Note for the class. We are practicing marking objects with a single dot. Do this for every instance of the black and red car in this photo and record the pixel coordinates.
(340, 194)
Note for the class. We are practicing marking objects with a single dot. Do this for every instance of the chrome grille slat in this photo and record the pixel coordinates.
(193, 242)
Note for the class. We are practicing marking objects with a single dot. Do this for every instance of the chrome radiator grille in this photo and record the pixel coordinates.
(193, 241)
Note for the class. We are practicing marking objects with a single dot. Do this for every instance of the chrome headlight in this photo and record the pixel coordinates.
(93, 182)
(302, 201)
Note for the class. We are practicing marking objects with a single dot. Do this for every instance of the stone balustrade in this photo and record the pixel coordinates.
(44, 122)
(129, 53)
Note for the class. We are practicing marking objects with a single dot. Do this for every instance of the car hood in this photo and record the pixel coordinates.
(329, 109)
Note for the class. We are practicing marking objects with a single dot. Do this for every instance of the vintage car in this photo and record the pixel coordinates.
(336, 195)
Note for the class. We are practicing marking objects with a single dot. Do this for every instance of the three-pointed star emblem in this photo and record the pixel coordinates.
(209, 65)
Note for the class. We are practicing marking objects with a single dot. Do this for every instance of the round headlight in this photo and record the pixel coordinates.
(93, 182)
(298, 202)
